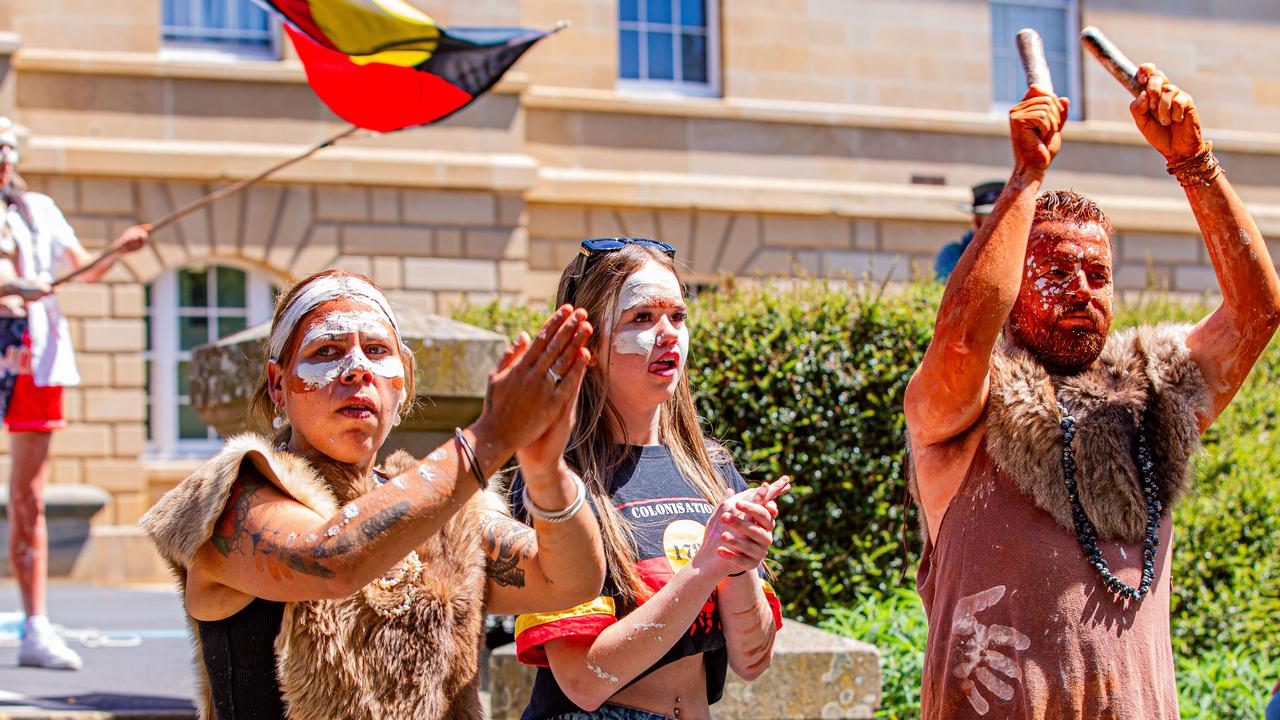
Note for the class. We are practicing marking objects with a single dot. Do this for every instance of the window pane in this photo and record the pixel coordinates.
(629, 10)
(693, 57)
(657, 11)
(192, 331)
(214, 13)
(629, 55)
(693, 13)
(184, 377)
(193, 288)
(190, 426)
(661, 47)
(231, 284)
(230, 325)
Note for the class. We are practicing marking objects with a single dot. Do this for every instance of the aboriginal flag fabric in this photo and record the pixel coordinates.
(384, 65)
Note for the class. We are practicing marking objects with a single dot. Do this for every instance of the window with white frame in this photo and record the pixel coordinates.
(1058, 23)
(671, 45)
(225, 26)
(186, 308)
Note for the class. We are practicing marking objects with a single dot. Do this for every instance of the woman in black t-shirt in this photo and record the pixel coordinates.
(684, 597)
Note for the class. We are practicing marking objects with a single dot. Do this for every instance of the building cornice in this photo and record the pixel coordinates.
(357, 164)
(543, 97)
(738, 194)
(175, 65)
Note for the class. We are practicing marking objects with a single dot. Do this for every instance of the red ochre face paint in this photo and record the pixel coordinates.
(1063, 311)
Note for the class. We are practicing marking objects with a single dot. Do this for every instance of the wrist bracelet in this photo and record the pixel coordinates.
(1199, 169)
(740, 572)
(558, 515)
(469, 454)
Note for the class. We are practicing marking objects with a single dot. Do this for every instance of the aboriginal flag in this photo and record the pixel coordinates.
(384, 65)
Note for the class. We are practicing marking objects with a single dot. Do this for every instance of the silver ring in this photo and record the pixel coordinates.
(554, 377)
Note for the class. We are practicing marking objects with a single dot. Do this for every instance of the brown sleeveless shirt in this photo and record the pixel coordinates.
(1020, 625)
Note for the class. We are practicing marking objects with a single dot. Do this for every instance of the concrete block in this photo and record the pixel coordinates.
(384, 205)
(1160, 247)
(448, 207)
(79, 300)
(558, 221)
(115, 405)
(128, 301)
(450, 274)
(814, 674)
(342, 203)
(361, 239)
(95, 369)
(388, 272)
(128, 370)
(106, 196)
(85, 440)
(449, 242)
(808, 232)
(113, 335)
(489, 243)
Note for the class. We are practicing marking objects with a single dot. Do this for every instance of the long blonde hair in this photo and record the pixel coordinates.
(596, 449)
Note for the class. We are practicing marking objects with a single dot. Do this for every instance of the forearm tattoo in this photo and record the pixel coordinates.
(278, 556)
(508, 544)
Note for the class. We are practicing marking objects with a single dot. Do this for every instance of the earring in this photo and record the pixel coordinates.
(278, 421)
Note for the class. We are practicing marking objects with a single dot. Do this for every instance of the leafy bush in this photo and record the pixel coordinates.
(808, 380)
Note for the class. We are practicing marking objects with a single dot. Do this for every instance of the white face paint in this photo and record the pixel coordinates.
(320, 291)
(651, 284)
(369, 325)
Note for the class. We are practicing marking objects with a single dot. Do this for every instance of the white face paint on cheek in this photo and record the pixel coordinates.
(682, 342)
(652, 283)
(370, 325)
(635, 342)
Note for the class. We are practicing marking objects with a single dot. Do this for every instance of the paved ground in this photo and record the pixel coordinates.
(135, 648)
(136, 651)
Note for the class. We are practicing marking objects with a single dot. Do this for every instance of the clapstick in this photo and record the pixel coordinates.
(1031, 50)
(1120, 67)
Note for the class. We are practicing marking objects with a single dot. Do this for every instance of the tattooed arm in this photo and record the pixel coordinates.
(268, 545)
(556, 566)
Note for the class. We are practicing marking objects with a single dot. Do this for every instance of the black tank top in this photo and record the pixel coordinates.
(240, 657)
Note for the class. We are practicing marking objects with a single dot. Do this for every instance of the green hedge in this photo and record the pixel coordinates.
(808, 380)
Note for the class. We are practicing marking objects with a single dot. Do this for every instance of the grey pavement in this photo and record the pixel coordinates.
(136, 651)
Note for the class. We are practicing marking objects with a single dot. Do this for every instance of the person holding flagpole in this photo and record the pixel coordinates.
(36, 362)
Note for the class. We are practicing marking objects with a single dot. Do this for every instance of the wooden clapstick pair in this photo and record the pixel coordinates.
(1031, 50)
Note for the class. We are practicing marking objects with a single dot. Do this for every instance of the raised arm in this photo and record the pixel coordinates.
(745, 613)
(948, 392)
(1226, 344)
(268, 545)
(554, 564)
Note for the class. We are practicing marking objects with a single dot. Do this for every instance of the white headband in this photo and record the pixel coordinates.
(323, 289)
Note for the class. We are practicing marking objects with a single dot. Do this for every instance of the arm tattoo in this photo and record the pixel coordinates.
(508, 544)
(231, 531)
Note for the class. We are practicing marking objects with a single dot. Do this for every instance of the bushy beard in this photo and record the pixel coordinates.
(1062, 351)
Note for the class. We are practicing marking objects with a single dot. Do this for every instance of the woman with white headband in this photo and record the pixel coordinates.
(36, 362)
(320, 585)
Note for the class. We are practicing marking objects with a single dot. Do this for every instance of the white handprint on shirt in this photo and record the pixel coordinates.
(977, 641)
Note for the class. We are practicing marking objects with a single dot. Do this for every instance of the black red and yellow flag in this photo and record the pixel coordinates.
(385, 65)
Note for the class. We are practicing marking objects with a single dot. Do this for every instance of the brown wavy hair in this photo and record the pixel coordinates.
(596, 447)
(261, 409)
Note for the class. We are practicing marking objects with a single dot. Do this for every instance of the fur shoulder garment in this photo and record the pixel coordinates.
(1143, 378)
(339, 659)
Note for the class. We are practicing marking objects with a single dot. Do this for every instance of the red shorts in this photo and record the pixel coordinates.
(34, 409)
(26, 408)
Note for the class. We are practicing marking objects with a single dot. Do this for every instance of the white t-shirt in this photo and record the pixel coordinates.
(43, 257)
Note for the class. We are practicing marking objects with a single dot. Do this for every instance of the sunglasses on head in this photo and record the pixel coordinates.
(592, 249)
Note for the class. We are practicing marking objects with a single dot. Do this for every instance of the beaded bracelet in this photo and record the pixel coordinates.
(558, 515)
(469, 453)
(1199, 169)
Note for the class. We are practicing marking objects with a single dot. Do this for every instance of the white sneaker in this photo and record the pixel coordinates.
(41, 647)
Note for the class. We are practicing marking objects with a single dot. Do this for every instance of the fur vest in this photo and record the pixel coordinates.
(338, 659)
(1145, 379)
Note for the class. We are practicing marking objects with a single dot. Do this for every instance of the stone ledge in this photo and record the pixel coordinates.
(166, 65)
(814, 674)
(10, 43)
(993, 124)
(736, 193)
(353, 163)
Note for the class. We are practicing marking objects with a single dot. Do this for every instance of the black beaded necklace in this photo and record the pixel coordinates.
(1087, 534)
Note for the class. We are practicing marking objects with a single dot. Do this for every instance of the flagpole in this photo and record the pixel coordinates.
(175, 215)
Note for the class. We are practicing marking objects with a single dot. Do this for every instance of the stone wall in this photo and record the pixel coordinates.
(433, 250)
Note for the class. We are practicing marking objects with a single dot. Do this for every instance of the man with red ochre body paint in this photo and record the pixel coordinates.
(1046, 462)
